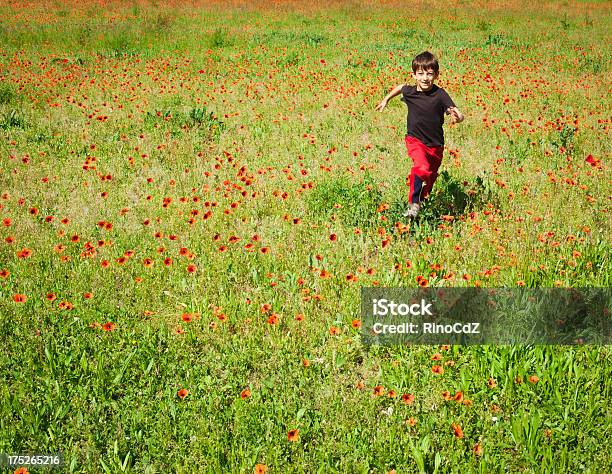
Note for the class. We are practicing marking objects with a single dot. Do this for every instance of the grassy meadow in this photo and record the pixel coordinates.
(193, 193)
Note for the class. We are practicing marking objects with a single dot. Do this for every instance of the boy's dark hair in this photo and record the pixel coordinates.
(425, 61)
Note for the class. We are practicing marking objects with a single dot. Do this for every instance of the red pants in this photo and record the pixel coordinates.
(426, 161)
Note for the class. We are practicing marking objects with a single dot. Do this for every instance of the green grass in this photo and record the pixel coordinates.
(184, 132)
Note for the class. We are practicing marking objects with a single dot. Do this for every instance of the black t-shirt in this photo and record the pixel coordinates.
(426, 113)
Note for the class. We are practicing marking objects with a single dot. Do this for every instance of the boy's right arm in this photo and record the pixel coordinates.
(396, 91)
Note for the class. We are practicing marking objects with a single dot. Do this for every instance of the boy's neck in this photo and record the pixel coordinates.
(418, 88)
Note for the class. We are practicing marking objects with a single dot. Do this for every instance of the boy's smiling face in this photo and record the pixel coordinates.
(424, 79)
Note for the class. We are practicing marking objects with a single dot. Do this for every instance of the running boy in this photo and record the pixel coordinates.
(427, 104)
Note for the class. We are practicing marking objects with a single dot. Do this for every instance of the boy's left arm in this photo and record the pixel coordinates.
(456, 115)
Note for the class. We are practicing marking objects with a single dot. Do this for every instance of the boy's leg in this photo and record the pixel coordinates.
(434, 159)
(420, 174)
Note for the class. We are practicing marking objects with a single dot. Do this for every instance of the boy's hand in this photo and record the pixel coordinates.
(381, 106)
(456, 115)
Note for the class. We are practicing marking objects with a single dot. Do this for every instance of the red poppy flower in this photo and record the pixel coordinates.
(436, 369)
(19, 298)
(293, 435)
(260, 469)
(246, 393)
(182, 393)
(457, 430)
(408, 398)
(109, 326)
(24, 253)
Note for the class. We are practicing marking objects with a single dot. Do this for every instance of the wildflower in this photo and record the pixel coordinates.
(182, 393)
(491, 383)
(19, 298)
(534, 379)
(379, 391)
(408, 398)
(260, 469)
(246, 393)
(436, 369)
(293, 435)
(356, 323)
(591, 160)
(109, 326)
(24, 253)
(457, 430)
(477, 449)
